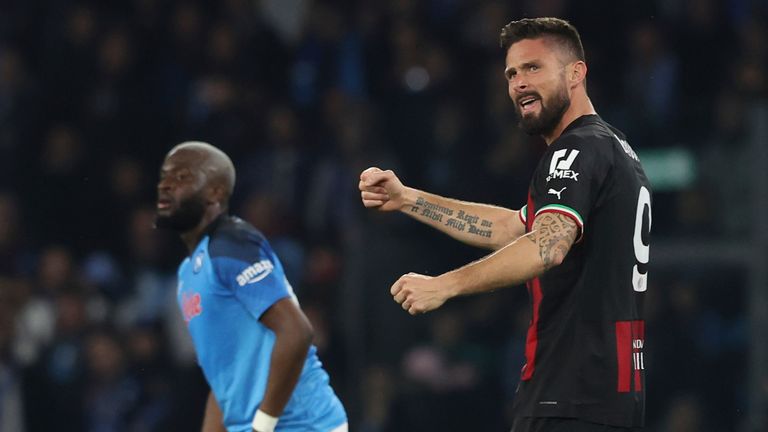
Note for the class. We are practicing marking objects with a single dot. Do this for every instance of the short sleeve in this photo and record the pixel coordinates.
(522, 214)
(249, 268)
(569, 179)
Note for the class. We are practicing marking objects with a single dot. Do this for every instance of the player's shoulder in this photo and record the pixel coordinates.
(232, 237)
(589, 133)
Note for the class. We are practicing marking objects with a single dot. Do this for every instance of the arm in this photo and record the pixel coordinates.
(212, 422)
(480, 225)
(531, 255)
(293, 336)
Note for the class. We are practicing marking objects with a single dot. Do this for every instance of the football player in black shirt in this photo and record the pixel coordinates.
(580, 242)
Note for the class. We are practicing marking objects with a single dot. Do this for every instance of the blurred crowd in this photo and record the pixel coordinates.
(303, 95)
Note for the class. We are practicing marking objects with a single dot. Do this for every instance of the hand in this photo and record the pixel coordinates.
(381, 190)
(418, 293)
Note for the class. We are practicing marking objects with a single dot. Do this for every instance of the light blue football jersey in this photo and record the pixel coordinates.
(225, 285)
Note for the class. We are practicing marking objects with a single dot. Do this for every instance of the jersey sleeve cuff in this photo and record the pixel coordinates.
(567, 211)
(522, 214)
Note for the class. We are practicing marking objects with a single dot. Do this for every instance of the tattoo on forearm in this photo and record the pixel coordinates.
(426, 205)
(456, 220)
(554, 234)
(465, 222)
(430, 210)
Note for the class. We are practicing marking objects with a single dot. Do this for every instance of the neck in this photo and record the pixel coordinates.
(580, 106)
(192, 237)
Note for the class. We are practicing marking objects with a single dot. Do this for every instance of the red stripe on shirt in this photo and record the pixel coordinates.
(624, 354)
(638, 333)
(534, 291)
(532, 339)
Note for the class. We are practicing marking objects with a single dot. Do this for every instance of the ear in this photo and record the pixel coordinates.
(212, 194)
(577, 73)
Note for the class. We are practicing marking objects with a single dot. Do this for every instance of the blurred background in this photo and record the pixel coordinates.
(303, 95)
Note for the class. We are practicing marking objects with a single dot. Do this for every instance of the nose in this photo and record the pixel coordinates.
(516, 87)
(164, 185)
(518, 84)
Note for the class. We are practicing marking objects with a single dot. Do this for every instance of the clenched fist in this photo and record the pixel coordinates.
(381, 190)
(418, 293)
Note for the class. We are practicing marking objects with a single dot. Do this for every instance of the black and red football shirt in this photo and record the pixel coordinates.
(584, 348)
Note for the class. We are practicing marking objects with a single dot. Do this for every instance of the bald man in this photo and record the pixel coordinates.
(252, 340)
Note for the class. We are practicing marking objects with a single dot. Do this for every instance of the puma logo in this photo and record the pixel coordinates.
(554, 192)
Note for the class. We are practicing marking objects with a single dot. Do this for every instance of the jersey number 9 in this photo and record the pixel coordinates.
(642, 249)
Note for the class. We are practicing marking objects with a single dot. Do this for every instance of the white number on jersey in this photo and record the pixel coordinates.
(642, 250)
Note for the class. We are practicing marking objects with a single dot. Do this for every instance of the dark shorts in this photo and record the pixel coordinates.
(554, 424)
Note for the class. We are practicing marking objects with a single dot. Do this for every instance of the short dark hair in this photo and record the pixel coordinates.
(534, 28)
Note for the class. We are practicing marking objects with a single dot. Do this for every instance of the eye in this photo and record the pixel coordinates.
(533, 68)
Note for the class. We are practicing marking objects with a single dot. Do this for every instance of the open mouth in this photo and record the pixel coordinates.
(529, 103)
(163, 204)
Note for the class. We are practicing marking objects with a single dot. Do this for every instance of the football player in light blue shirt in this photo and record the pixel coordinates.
(252, 340)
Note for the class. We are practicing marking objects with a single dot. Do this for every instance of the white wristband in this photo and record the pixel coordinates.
(263, 422)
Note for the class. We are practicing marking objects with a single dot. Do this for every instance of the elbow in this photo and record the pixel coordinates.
(553, 262)
(297, 337)
(496, 245)
(307, 334)
(509, 231)
(303, 334)
(553, 258)
(501, 241)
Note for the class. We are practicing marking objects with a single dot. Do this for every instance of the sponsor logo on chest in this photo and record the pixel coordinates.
(560, 166)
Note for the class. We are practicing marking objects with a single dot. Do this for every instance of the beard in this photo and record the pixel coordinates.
(186, 217)
(549, 116)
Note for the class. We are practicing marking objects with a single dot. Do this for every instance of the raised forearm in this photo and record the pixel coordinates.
(479, 225)
(513, 264)
(529, 256)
